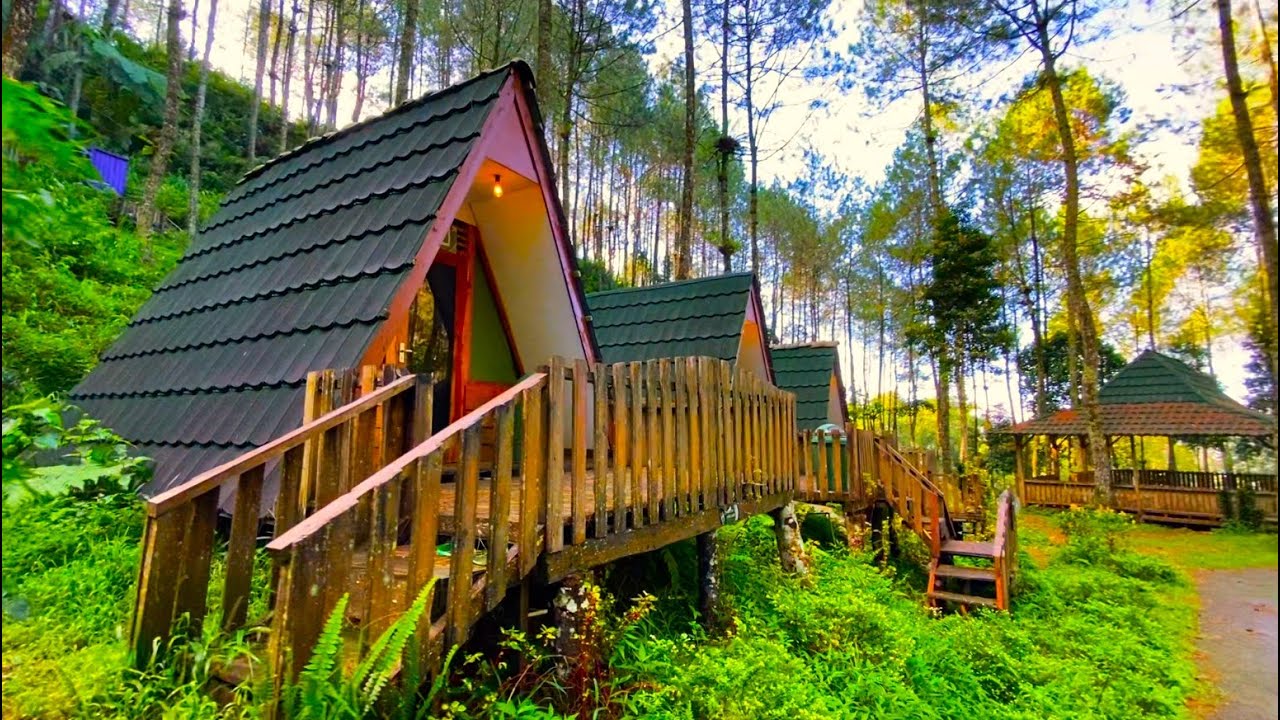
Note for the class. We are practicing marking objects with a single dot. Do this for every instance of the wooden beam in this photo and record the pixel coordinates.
(596, 552)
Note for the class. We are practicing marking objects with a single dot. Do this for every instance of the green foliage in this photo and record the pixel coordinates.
(962, 300)
(72, 278)
(1057, 369)
(1097, 537)
(1083, 641)
(328, 690)
(596, 276)
(103, 458)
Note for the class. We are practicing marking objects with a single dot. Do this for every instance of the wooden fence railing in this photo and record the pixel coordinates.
(1149, 494)
(355, 541)
(913, 496)
(839, 466)
(1005, 547)
(610, 461)
(1188, 479)
(307, 468)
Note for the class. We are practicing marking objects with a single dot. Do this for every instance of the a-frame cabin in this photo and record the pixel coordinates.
(720, 316)
(428, 237)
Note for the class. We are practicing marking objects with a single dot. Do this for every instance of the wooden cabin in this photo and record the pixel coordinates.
(719, 317)
(811, 371)
(428, 237)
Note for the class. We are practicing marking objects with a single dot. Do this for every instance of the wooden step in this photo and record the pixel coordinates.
(962, 599)
(965, 573)
(969, 549)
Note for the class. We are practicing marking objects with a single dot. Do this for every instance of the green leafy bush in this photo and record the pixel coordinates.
(72, 279)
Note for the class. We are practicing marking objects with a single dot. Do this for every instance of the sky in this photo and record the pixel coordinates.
(858, 137)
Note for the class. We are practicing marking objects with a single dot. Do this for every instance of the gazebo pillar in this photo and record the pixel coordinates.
(1173, 459)
(1019, 475)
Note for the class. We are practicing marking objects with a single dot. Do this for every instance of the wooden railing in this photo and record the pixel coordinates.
(308, 468)
(1005, 547)
(1153, 494)
(610, 461)
(914, 497)
(673, 444)
(355, 541)
(1188, 479)
(848, 472)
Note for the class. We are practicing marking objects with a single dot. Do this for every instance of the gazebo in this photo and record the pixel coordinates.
(1153, 396)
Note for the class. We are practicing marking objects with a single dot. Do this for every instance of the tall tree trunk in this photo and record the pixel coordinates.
(684, 241)
(197, 122)
(753, 190)
(17, 33)
(1077, 299)
(935, 214)
(308, 79)
(724, 147)
(361, 53)
(543, 59)
(191, 46)
(288, 76)
(264, 33)
(278, 36)
(962, 407)
(1273, 75)
(169, 128)
(408, 40)
(108, 16)
(1264, 228)
(942, 391)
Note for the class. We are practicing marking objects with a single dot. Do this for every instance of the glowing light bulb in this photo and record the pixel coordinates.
(497, 186)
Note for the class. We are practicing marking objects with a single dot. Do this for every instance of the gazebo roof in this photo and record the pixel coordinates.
(1158, 395)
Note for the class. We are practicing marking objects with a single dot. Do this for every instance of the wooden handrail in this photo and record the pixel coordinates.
(199, 485)
(310, 526)
(1003, 508)
(912, 470)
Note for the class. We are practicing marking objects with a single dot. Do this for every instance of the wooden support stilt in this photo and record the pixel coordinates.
(708, 579)
(790, 545)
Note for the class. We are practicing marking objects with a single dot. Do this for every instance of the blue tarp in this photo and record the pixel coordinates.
(114, 169)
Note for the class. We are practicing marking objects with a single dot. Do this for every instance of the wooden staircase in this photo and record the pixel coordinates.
(962, 572)
(983, 579)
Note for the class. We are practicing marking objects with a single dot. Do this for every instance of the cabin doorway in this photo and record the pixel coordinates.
(458, 332)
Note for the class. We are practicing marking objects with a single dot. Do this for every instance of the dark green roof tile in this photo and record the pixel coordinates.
(294, 272)
(806, 370)
(702, 317)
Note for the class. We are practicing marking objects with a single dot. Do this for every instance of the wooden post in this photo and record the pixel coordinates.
(621, 455)
(500, 508)
(531, 477)
(554, 540)
(578, 491)
(1019, 473)
(600, 453)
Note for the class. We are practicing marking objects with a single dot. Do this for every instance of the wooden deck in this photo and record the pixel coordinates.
(609, 461)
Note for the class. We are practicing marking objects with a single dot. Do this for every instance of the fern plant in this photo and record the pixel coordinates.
(324, 691)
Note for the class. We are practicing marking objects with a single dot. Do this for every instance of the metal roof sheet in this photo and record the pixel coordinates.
(806, 371)
(293, 273)
(687, 318)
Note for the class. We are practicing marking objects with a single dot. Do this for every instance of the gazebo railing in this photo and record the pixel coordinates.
(1188, 479)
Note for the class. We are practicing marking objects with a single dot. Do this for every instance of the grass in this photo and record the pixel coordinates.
(1103, 626)
(1185, 548)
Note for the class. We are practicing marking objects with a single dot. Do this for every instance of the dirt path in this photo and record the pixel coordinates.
(1238, 640)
